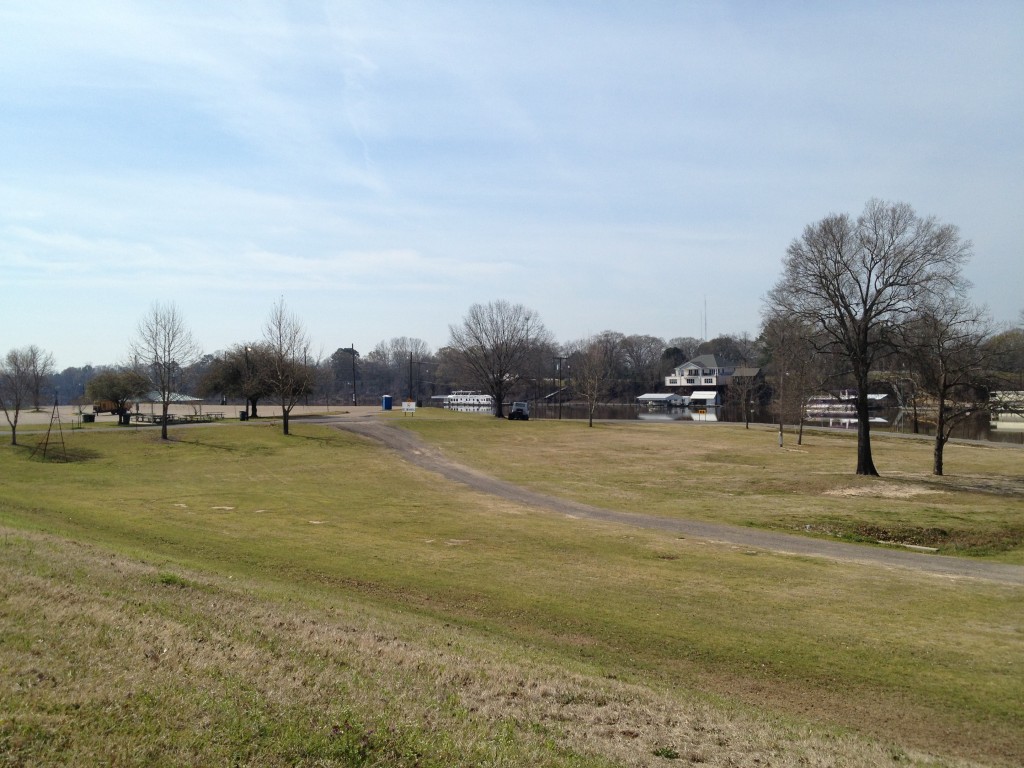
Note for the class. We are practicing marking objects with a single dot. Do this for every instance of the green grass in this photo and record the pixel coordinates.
(313, 591)
(726, 473)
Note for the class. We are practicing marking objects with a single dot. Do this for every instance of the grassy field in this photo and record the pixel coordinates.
(726, 473)
(234, 596)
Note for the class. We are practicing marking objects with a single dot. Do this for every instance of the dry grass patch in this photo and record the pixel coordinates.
(882, 490)
(111, 660)
(383, 622)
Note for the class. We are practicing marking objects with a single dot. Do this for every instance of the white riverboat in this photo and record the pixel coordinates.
(465, 400)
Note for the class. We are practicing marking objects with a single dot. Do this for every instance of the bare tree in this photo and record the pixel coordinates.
(748, 350)
(163, 347)
(594, 364)
(394, 362)
(15, 386)
(858, 281)
(797, 368)
(948, 346)
(41, 367)
(641, 355)
(726, 347)
(494, 343)
(747, 385)
(1008, 349)
(687, 348)
(291, 370)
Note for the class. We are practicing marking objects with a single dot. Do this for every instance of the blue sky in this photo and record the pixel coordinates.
(381, 166)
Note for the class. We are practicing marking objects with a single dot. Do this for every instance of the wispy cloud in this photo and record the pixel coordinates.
(403, 160)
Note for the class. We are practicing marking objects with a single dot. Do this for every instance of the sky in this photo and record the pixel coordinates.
(381, 166)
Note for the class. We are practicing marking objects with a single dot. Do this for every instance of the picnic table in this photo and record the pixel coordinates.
(178, 418)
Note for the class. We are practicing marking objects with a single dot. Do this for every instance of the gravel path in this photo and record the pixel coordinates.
(410, 447)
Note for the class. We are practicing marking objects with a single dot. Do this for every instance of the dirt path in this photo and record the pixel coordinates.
(410, 447)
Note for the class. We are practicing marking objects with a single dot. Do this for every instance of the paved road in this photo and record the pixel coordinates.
(430, 458)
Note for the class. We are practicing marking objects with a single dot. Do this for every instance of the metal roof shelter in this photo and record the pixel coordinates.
(174, 398)
(663, 398)
(704, 395)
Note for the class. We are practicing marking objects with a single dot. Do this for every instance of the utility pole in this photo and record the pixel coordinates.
(353, 352)
(558, 364)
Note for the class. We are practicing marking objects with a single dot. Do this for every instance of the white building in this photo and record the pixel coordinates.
(703, 372)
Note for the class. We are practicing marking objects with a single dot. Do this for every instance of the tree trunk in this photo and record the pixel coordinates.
(940, 439)
(284, 418)
(163, 422)
(865, 464)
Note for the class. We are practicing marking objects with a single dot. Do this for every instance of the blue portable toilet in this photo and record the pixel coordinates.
(385, 403)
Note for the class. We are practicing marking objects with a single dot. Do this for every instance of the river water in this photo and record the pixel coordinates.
(895, 420)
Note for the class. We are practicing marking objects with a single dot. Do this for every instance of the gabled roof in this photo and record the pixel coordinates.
(704, 395)
(172, 397)
(706, 361)
(746, 373)
(661, 397)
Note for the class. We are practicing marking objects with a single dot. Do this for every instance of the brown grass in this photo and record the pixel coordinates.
(186, 669)
(360, 605)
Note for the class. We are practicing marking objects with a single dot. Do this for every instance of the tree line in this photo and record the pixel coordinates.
(877, 301)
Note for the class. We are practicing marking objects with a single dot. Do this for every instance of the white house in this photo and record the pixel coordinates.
(703, 372)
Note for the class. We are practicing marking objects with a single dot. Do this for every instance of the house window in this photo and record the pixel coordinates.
(709, 381)
(691, 381)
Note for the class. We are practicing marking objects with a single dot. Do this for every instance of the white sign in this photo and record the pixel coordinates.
(409, 406)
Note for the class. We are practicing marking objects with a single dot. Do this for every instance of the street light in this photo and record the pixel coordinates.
(558, 365)
(419, 377)
(353, 354)
(247, 382)
(782, 403)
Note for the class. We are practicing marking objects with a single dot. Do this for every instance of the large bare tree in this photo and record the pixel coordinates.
(291, 370)
(163, 346)
(858, 281)
(15, 386)
(494, 343)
